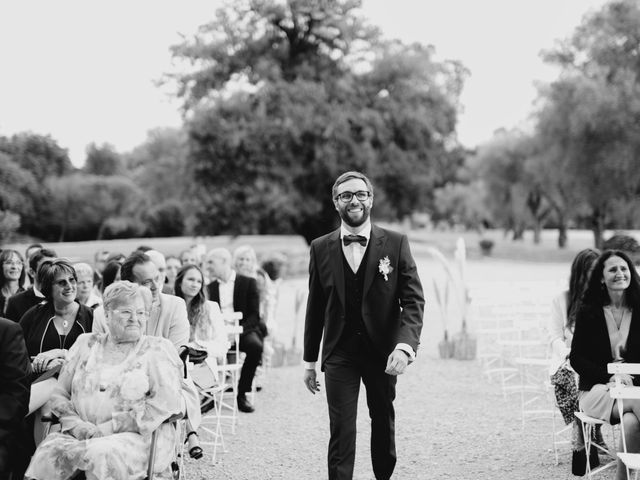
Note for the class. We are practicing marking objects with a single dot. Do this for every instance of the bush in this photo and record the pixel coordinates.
(486, 246)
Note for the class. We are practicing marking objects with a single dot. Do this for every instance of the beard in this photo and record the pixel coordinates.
(357, 220)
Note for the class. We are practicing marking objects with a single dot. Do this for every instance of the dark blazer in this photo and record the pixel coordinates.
(15, 370)
(392, 309)
(591, 348)
(246, 299)
(20, 303)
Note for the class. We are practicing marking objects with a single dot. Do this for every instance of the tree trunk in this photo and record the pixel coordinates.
(597, 220)
(537, 233)
(562, 235)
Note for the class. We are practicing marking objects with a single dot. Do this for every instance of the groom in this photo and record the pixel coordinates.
(366, 298)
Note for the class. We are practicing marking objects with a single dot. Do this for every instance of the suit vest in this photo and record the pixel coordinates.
(354, 286)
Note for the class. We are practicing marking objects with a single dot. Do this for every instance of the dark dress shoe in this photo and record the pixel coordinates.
(244, 405)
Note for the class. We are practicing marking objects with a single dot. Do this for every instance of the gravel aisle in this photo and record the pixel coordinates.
(451, 424)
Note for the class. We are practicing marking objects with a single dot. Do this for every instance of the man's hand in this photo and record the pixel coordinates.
(310, 380)
(397, 362)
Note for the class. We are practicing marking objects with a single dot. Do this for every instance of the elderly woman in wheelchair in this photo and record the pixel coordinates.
(115, 389)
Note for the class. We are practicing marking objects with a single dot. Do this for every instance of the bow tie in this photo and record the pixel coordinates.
(349, 239)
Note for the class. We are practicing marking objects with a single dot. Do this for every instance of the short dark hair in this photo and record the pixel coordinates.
(35, 257)
(47, 273)
(143, 248)
(136, 258)
(346, 176)
(109, 274)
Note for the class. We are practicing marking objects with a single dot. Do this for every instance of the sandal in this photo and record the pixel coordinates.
(195, 452)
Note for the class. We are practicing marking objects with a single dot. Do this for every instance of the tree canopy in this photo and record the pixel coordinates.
(323, 93)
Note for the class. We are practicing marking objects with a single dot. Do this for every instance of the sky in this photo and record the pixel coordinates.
(87, 71)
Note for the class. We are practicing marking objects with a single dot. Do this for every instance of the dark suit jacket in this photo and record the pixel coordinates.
(392, 309)
(20, 303)
(591, 348)
(15, 369)
(246, 299)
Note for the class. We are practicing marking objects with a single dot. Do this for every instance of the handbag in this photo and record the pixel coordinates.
(197, 355)
(566, 392)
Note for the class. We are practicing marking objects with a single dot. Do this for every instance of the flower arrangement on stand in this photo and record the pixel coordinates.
(452, 298)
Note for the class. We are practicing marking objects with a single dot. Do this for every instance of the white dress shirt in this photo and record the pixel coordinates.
(226, 292)
(354, 251)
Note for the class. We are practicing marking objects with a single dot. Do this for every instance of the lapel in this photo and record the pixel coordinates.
(237, 286)
(337, 265)
(376, 246)
(214, 291)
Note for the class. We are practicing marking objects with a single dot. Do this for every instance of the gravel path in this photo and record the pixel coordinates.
(450, 423)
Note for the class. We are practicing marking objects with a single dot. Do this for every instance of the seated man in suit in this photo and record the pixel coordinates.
(238, 293)
(15, 370)
(23, 301)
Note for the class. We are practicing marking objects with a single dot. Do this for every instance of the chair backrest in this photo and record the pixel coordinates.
(234, 329)
(622, 367)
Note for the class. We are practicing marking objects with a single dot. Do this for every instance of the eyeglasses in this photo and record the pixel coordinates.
(10, 263)
(66, 281)
(346, 197)
(128, 314)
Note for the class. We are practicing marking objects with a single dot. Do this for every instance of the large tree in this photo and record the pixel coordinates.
(590, 115)
(322, 94)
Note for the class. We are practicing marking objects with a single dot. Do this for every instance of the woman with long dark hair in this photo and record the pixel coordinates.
(12, 276)
(207, 326)
(607, 329)
(561, 325)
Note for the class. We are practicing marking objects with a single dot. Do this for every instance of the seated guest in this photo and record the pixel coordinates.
(205, 318)
(239, 293)
(30, 250)
(12, 275)
(86, 295)
(167, 318)
(207, 327)
(173, 265)
(607, 329)
(15, 370)
(560, 328)
(245, 262)
(51, 327)
(114, 391)
(188, 257)
(110, 274)
(99, 262)
(23, 301)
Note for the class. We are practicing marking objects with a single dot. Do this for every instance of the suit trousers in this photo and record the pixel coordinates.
(353, 360)
(252, 345)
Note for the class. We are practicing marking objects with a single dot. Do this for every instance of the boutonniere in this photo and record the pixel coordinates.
(385, 268)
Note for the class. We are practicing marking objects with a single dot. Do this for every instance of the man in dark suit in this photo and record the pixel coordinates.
(240, 294)
(15, 385)
(366, 298)
(18, 304)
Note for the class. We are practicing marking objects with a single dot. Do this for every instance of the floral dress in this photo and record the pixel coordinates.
(127, 402)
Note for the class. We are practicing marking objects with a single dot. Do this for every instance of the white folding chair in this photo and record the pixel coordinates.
(622, 392)
(588, 425)
(211, 387)
(231, 370)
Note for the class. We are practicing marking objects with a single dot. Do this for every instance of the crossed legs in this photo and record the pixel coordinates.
(630, 419)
